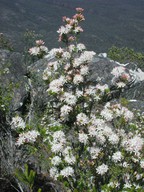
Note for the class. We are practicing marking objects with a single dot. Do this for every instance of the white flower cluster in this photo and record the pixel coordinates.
(17, 122)
(46, 74)
(28, 137)
(107, 114)
(117, 71)
(56, 85)
(66, 55)
(94, 152)
(56, 160)
(102, 88)
(59, 140)
(102, 169)
(134, 144)
(63, 155)
(85, 57)
(70, 159)
(50, 70)
(67, 171)
(55, 51)
(117, 156)
(69, 98)
(64, 112)
(81, 47)
(78, 79)
(83, 138)
(54, 173)
(82, 119)
(64, 29)
(121, 77)
(111, 111)
(39, 49)
(84, 70)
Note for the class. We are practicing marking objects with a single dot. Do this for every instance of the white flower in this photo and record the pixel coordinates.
(34, 51)
(77, 62)
(92, 130)
(127, 185)
(54, 173)
(20, 140)
(78, 93)
(67, 151)
(87, 56)
(28, 137)
(78, 30)
(69, 98)
(113, 139)
(97, 122)
(59, 136)
(117, 156)
(78, 79)
(56, 85)
(107, 131)
(100, 138)
(94, 152)
(125, 164)
(102, 88)
(17, 122)
(57, 147)
(40, 42)
(120, 84)
(83, 138)
(82, 119)
(142, 163)
(117, 71)
(53, 52)
(128, 115)
(44, 49)
(66, 55)
(46, 74)
(53, 65)
(84, 70)
(81, 47)
(70, 159)
(6, 70)
(135, 144)
(64, 30)
(66, 172)
(56, 160)
(107, 114)
(71, 48)
(102, 169)
(91, 90)
(65, 110)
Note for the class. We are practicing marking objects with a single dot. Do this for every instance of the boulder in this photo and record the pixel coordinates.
(13, 76)
(99, 72)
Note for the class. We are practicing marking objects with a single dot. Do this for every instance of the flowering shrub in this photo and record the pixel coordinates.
(87, 148)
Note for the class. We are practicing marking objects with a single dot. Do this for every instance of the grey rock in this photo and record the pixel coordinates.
(12, 64)
(100, 71)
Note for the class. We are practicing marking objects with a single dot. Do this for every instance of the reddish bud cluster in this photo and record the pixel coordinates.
(79, 17)
(79, 9)
(71, 29)
(40, 42)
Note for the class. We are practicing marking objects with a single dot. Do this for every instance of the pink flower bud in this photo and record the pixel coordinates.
(71, 38)
(64, 18)
(39, 42)
(79, 10)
